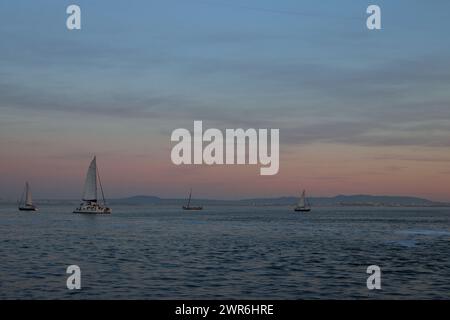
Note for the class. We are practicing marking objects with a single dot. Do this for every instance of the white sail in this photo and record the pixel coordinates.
(90, 185)
(301, 202)
(28, 199)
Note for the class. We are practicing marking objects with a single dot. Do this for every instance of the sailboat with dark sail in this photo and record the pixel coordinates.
(303, 204)
(26, 202)
(90, 204)
(188, 206)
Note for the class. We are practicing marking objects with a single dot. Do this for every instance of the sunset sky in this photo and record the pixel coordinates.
(359, 111)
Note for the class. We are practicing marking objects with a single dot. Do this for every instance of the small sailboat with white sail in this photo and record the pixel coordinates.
(303, 204)
(90, 204)
(189, 207)
(26, 201)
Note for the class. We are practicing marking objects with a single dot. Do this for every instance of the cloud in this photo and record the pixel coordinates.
(392, 104)
(232, 77)
(429, 158)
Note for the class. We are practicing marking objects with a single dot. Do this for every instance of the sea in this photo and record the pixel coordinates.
(163, 252)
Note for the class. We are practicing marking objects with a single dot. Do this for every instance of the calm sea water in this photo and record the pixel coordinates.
(224, 252)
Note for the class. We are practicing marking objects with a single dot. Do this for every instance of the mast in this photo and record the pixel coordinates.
(22, 196)
(29, 200)
(101, 187)
(301, 202)
(190, 195)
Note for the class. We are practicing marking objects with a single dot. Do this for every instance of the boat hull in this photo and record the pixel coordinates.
(91, 212)
(92, 209)
(28, 209)
(302, 209)
(192, 208)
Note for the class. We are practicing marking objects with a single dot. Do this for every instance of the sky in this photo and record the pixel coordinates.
(359, 111)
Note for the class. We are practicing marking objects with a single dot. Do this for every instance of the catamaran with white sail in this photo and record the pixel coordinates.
(27, 203)
(303, 204)
(90, 203)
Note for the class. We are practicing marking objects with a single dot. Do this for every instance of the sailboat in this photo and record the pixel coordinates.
(188, 206)
(303, 204)
(90, 204)
(28, 204)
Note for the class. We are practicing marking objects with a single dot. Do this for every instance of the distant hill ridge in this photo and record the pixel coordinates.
(339, 200)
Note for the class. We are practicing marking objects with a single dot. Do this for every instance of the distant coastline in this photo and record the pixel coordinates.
(337, 201)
